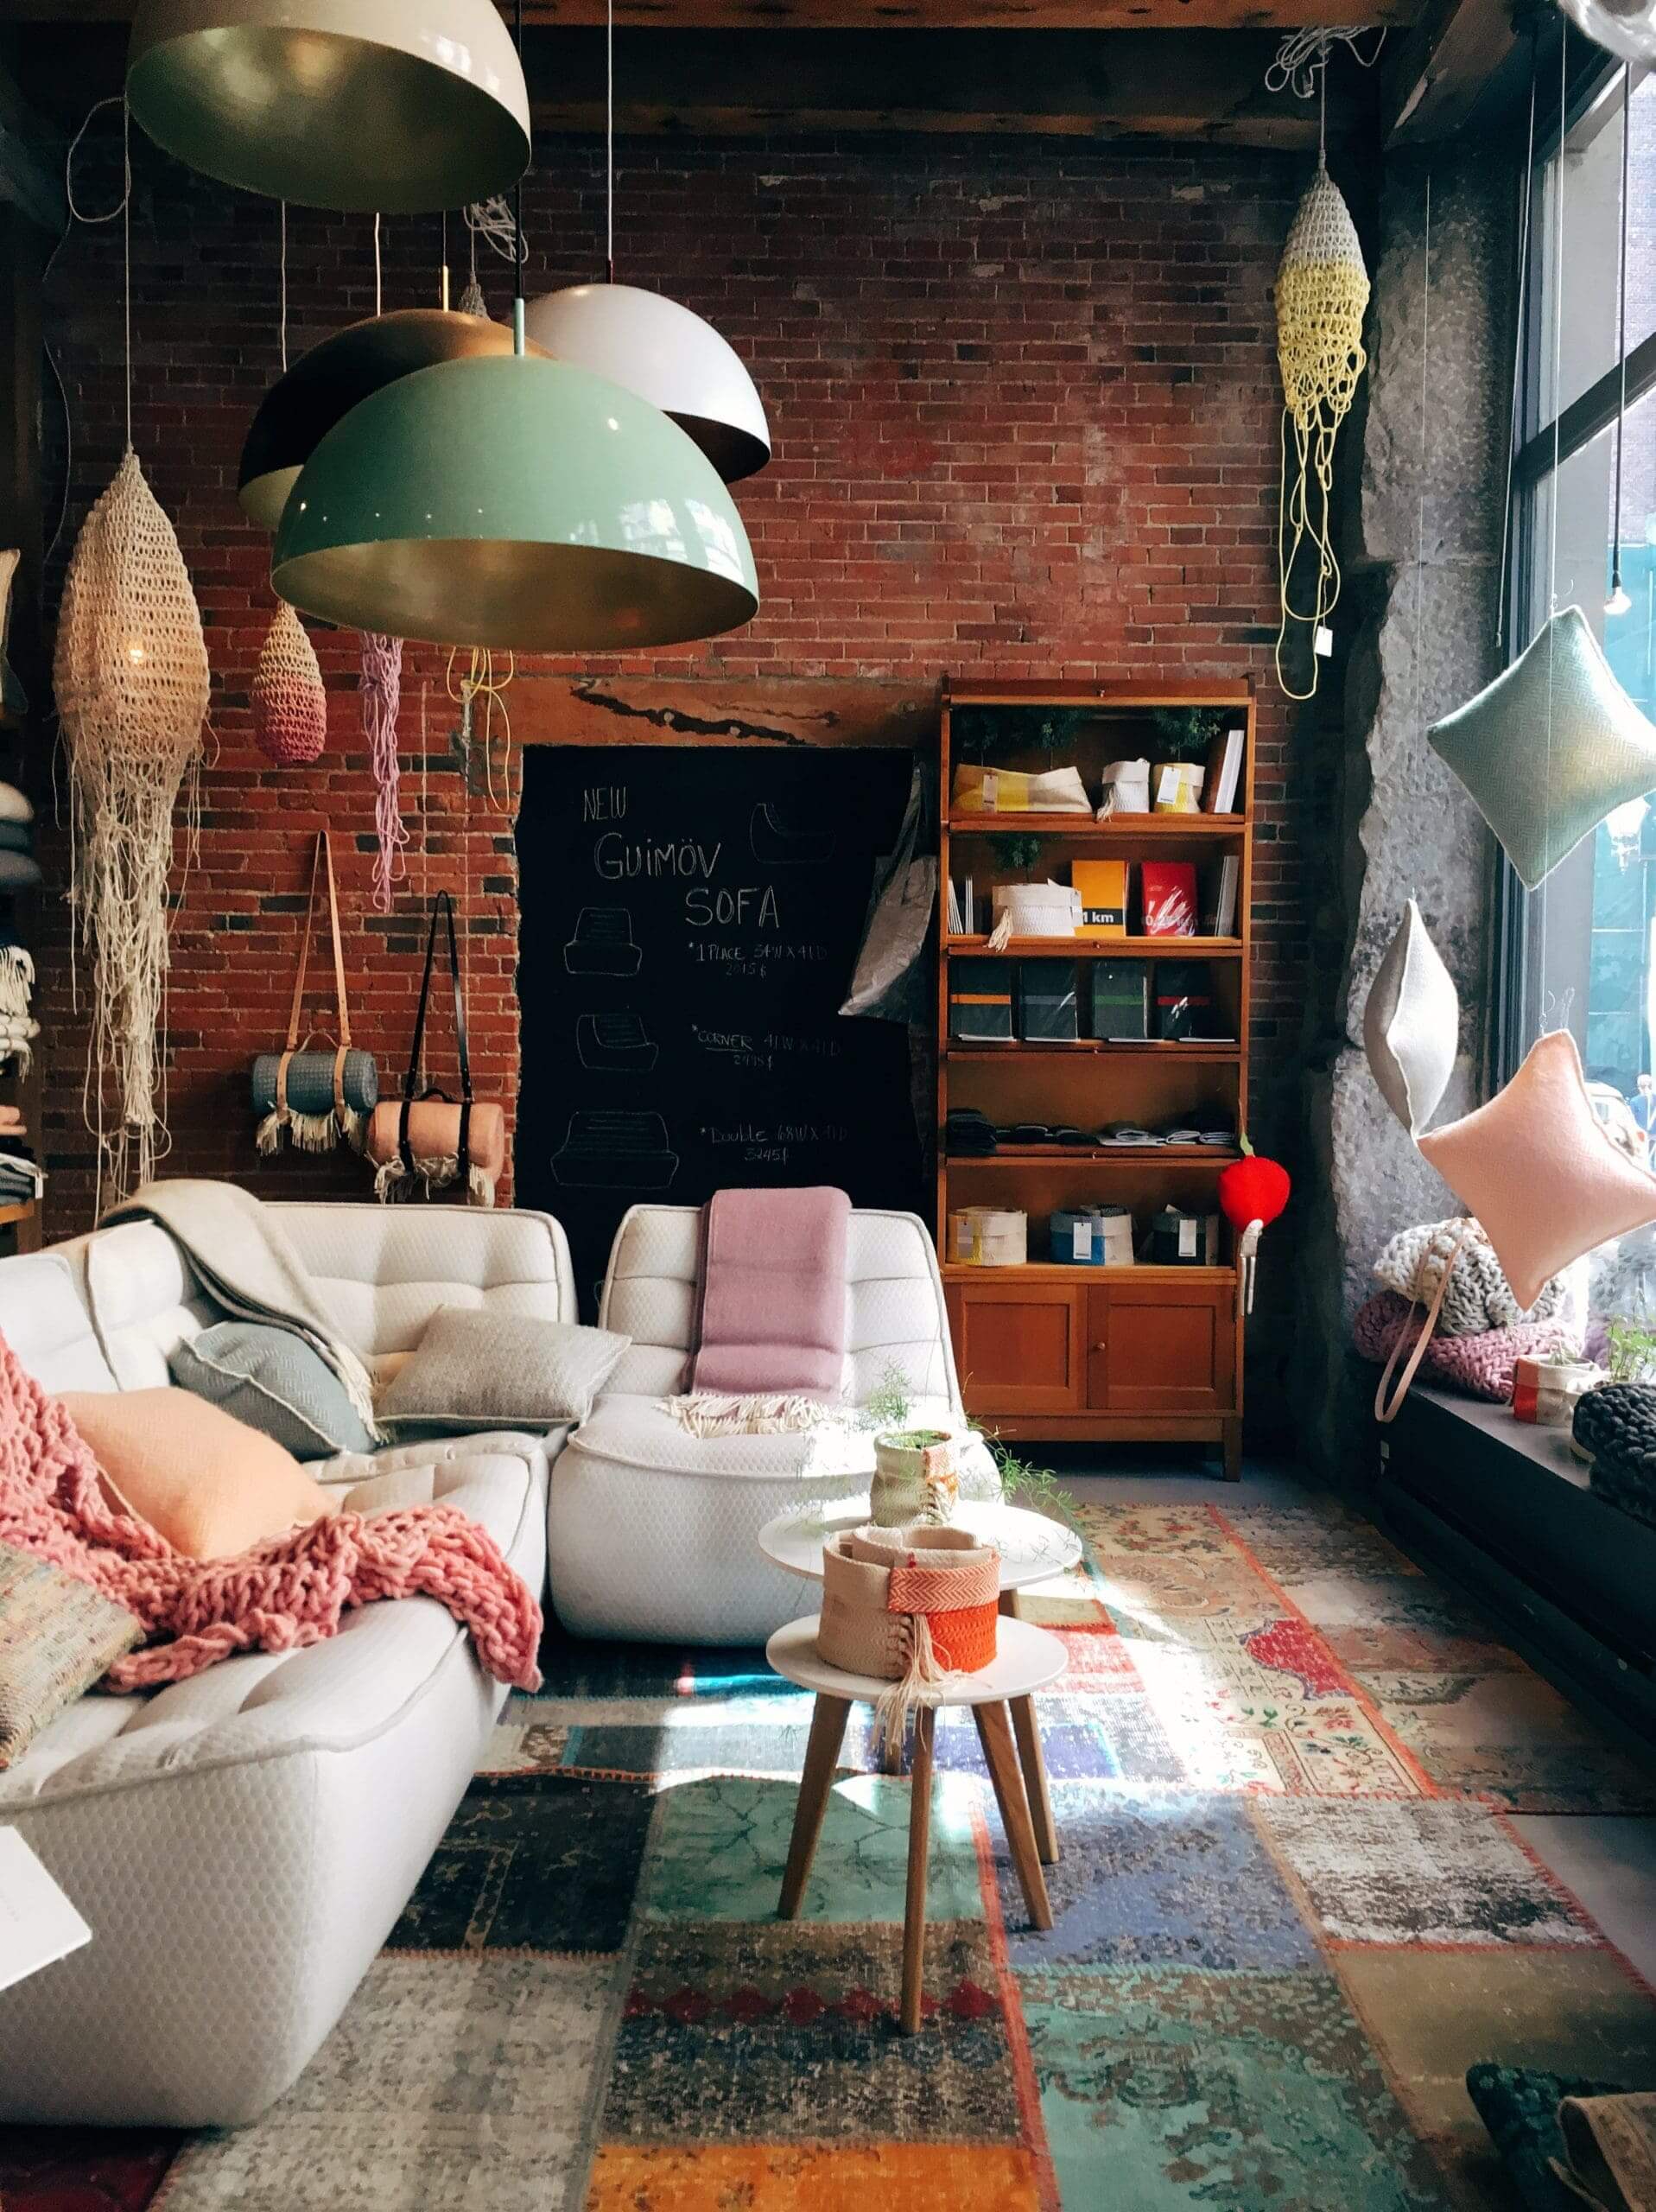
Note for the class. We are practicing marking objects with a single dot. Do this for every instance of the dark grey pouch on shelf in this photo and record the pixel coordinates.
(1121, 1001)
(1046, 1001)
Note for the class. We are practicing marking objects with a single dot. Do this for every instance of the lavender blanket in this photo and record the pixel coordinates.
(772, 1300)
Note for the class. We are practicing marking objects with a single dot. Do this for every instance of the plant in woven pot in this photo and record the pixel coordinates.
(917, 1476)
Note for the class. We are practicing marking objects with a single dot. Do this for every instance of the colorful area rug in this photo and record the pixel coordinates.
(1291, 1911)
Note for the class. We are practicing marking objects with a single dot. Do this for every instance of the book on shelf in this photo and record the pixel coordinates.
(1221, 918)
(1168, 897)
(1224, 774)
(956, 922)
(1102, 885)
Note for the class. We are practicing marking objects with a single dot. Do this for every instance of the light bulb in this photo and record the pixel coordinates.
(1618, 602)
(136, 652)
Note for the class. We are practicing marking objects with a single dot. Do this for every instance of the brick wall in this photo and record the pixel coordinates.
(1025, 402)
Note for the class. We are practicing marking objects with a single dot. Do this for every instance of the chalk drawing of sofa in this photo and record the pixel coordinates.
(602, 943)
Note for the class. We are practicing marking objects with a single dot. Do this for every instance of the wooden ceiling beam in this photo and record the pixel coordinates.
(875, 15)
(1438, 72)
(1155, 86)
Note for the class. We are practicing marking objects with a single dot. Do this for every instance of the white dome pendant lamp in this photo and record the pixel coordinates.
(394, 105)
(655, 346)
(519, 504)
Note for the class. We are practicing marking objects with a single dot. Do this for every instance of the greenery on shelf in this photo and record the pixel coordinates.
(1016, 852)
(1191, 728)
(983, 733)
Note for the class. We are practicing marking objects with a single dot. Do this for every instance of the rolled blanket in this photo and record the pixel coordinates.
(912, 1606)
(434, 1139)
(1478, 1366)
(311, 1120)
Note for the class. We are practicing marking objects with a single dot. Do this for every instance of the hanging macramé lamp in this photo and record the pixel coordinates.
(392, 106)
(1322, 298)
(325, 384)
(519, 504)
(289, 704)
(132, 685)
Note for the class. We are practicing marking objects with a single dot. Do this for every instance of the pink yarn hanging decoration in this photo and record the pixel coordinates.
(289, 705)
(382, 694)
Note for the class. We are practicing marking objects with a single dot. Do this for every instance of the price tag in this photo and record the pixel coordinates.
(991, 791)
(1187, 1239)
(1322, 643)
(1080, 1240)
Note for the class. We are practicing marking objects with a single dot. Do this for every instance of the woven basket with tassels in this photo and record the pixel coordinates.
(911, 1606)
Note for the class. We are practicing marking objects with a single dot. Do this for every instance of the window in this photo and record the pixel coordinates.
(1585, 943)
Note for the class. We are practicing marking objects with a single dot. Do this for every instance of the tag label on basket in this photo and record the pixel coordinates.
(1188, 1239)
(990, 791)
(1080, 1240)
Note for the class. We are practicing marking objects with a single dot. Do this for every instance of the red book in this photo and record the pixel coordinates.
(1168, 890)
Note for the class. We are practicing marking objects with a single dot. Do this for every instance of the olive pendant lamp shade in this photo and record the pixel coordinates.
(520, 504)
(323, 384)
(394, 105)
(668, 356)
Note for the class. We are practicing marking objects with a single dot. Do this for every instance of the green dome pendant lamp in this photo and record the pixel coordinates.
(395, 106)
(517, 502)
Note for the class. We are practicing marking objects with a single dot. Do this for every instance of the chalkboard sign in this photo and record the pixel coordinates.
(690, 920)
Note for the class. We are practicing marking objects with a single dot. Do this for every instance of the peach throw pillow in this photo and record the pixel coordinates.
(207, 1482)
(1539, 1171)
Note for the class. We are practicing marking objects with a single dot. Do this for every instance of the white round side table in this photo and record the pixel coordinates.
(1032, 1547)
(1026, 1660)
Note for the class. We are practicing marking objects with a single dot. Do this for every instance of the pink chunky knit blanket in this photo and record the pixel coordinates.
(290, 1592)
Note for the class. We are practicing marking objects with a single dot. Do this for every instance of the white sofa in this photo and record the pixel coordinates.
(654, 1533)
(243, 1843)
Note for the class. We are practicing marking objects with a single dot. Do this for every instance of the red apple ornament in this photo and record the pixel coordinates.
(1252, 1191)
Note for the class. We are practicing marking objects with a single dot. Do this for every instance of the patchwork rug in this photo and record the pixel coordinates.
(1291, 1911)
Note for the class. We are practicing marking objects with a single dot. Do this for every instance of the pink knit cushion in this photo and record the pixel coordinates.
(1540, 1172)
(1479, 1367)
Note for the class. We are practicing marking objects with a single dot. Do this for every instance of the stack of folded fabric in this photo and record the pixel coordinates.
(18, 1028)
(21, 1179)
(19, 869)
(967, 1132)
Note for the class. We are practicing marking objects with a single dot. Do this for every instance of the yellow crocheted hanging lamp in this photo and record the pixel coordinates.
(1322, 298)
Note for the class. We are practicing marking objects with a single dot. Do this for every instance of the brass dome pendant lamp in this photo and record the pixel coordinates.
(390, 105)
(517, 502)
(655, 346)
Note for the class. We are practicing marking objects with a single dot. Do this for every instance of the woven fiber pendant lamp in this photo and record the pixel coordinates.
(394, 105)
(655, 346)
(323, 384)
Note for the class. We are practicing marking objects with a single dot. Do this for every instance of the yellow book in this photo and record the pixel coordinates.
(1103, 889)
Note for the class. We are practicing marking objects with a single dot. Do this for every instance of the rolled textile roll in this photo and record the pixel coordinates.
(310, 1082)
(910, 1605)
(15, 836)
(434, 1139)
(14, 806)
(18, 871)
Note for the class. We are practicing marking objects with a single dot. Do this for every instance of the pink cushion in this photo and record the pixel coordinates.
(772, 1299)
(1540, 1172)
(1480, 1366)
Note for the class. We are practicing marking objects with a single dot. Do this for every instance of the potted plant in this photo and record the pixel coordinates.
(917, 1476)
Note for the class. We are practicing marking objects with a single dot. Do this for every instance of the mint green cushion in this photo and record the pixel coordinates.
(276, 1383)
(1550, 748)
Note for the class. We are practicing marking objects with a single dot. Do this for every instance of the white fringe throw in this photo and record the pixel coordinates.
(759, 1414)
(314, 1132)
(393, 1183)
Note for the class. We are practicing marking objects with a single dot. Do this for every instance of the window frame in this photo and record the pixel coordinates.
(1594, 88)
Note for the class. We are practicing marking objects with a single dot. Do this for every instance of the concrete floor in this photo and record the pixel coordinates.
(1608, 1861)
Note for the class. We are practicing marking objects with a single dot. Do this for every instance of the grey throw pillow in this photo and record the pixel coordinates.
(512, 1371)
(276, 1383)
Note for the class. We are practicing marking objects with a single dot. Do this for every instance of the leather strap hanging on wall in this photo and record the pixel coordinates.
(442, 909)
(316, 1098)
(426, 1141)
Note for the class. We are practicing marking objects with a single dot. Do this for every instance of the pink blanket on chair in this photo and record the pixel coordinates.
(292, 1590)
(772, 1304)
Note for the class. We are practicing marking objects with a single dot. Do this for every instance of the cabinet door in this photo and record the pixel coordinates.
(1018, 1345)
(1158, 1345)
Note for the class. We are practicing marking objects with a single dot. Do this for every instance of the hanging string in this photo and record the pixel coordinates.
(1302, 59)
(481, 681)
(126, 251)
(1618, 601)
(1516, 424)
(377, 272)
(1547, 1001)
(609, 136)
(284, 287)
(1426, 465)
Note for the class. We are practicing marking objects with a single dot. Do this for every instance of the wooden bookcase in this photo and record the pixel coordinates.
(1057, 1350)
